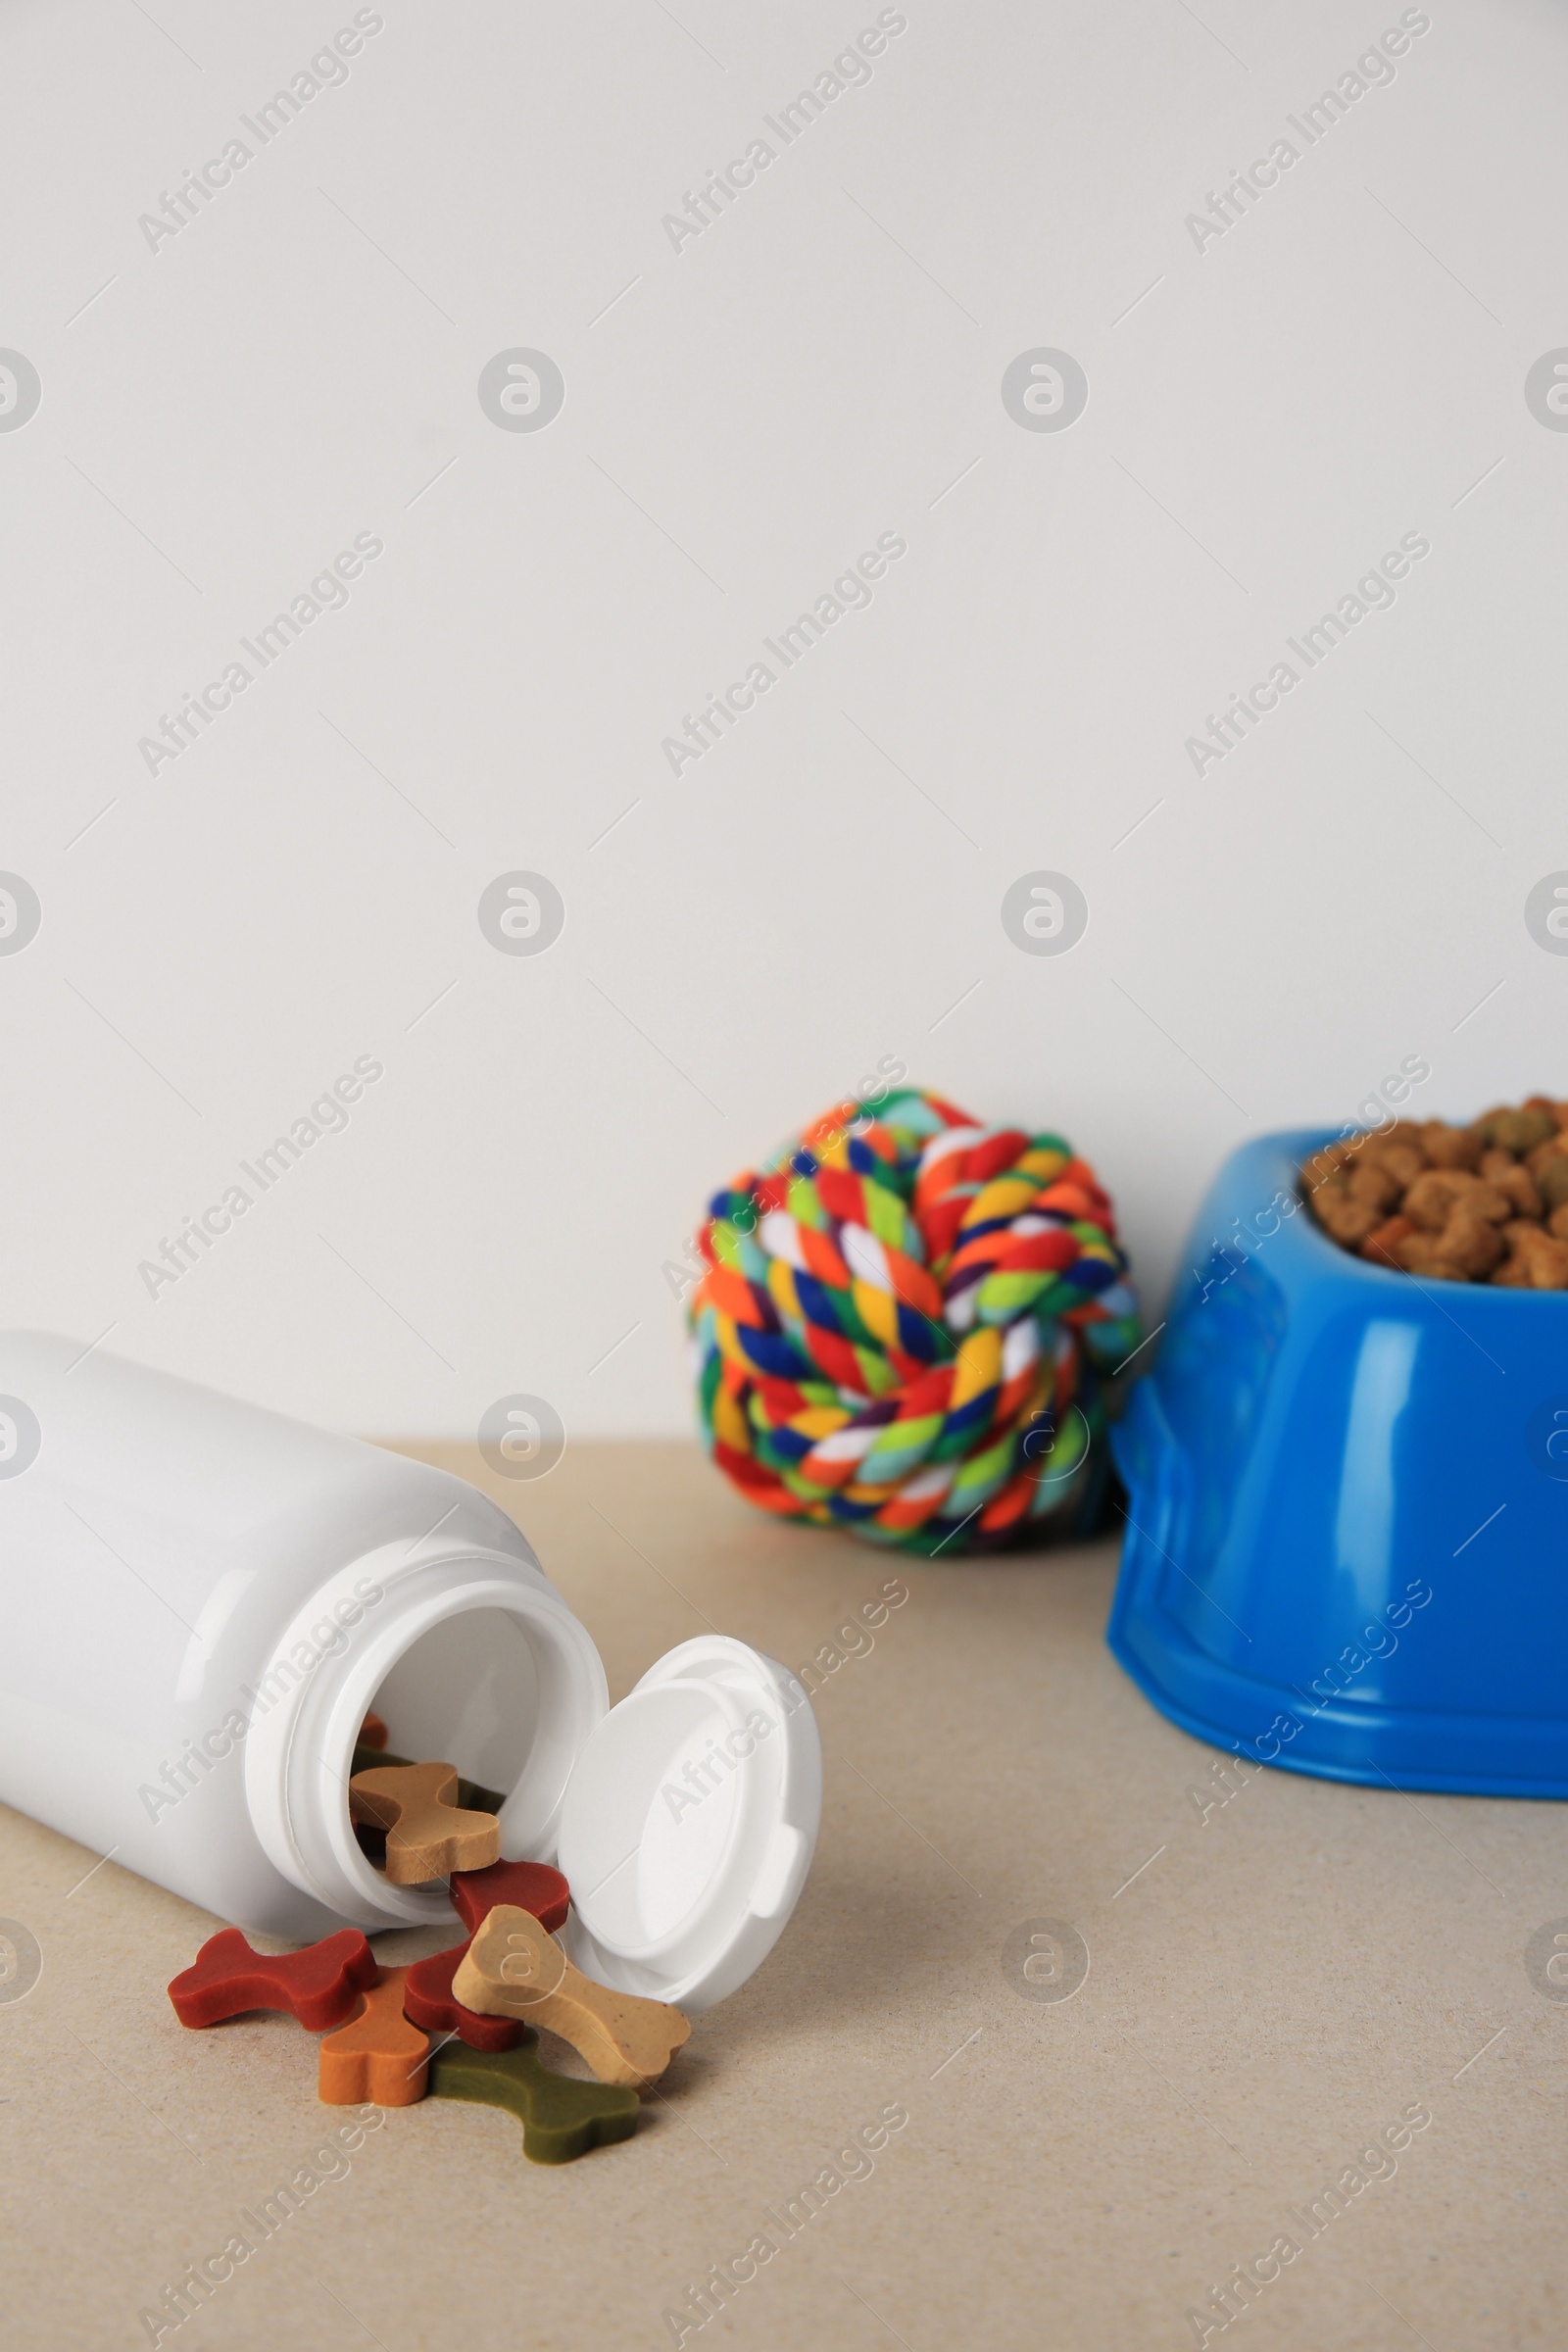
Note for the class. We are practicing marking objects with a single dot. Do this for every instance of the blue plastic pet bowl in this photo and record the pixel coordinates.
(1346, 1544)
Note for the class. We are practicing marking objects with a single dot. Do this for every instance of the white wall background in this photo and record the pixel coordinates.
(299, 364)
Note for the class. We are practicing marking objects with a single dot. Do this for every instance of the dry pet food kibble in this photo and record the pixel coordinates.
(1487, 1202)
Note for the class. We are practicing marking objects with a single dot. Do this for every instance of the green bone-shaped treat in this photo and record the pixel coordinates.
(562, 2117)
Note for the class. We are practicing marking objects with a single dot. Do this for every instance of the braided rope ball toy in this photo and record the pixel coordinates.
(903, 1326)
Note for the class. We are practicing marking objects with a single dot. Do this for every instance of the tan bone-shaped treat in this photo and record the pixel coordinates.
(513, 1968)
(428, 1834)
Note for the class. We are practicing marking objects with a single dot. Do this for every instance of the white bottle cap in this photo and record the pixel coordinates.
(689, 1822)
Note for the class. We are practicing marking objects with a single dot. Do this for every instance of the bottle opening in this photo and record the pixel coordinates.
(465, 1694)
(485, 1671)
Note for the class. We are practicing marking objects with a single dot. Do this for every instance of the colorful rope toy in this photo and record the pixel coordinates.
(903, 1326)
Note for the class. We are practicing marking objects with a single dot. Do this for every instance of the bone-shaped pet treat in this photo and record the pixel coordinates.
(513, 1968)
(427, 1837)
(377, 2055)
(320, 1986)
(472, 1795)
(531, 1886)
(561, 2118)
(428, 1999)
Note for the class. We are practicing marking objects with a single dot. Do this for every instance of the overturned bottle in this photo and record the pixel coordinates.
(201, 1602)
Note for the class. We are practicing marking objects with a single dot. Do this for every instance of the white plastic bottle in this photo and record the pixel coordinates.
(201, 1601)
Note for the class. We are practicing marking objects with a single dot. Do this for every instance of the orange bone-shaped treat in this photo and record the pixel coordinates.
(378, 2055)
(428, 1835)
(513, 1968)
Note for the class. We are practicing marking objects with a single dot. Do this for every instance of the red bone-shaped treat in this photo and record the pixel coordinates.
(428, 1996)
(531, 1886)
(320, 1986)
(429, 2000)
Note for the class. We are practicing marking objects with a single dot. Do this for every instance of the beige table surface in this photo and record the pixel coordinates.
(1268, 1987)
